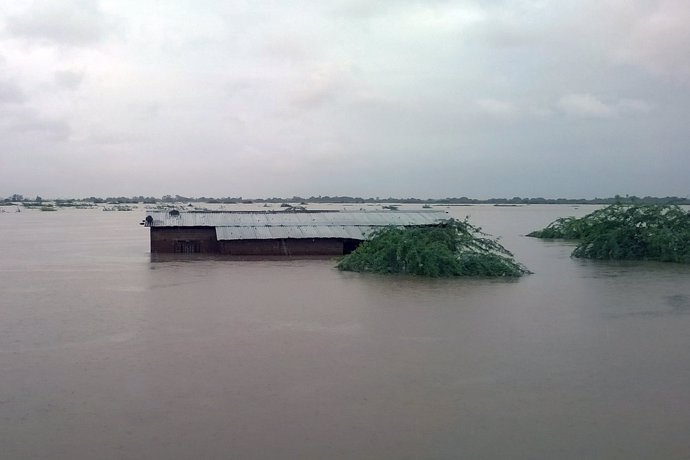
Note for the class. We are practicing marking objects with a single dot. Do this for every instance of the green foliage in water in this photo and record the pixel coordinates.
(640, 232)
(569, 228)
(453, 248)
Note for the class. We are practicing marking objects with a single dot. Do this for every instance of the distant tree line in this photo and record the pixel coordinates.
(627, 199)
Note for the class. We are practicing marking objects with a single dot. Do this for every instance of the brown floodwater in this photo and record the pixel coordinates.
(108, 354)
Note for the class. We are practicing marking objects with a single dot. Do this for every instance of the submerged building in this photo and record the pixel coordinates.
(274, 233)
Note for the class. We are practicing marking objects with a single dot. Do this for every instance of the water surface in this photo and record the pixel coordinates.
(107, 354)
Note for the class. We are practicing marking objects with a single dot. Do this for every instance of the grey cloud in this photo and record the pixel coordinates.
(585, 105)
(68, 79)
(507, 36)
(650, 35)
(26, 120)
(103, 136)
(318, 86)
(589, 106)
(660, 40)
(510, 26)
(451, 96)
(57, 130)
(364, 9)
(11, 93)
(67, 22)
(286, 47)
(633, 106)
(497, 108)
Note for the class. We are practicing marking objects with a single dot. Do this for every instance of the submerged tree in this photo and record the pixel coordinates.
(637, 232)
(452, 248)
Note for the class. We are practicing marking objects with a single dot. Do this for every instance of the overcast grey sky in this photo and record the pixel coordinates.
(571, 98)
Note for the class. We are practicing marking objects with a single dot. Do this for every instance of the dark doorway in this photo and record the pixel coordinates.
(350, 245)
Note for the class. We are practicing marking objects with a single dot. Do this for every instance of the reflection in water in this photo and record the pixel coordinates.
(108, 352)
(679, 302)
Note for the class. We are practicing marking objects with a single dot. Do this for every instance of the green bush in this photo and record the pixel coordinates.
(452, 248)
(638, 232)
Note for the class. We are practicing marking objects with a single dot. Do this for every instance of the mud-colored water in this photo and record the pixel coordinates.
(106, 354)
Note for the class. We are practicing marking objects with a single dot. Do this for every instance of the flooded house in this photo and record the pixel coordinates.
(273, 233)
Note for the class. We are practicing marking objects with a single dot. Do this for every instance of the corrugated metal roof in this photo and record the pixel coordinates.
(283, 225)
(261, 219)
(289, 232)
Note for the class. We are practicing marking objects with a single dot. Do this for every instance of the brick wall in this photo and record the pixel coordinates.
(163, 239)
(285, 247)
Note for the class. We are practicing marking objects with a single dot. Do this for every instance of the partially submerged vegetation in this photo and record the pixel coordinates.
(453, 248)
(637, 232)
